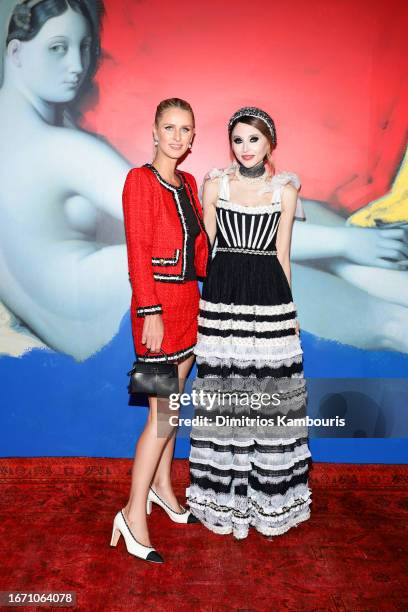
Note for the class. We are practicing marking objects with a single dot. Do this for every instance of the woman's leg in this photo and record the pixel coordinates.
(147, 455)
(162, 477)
(153, 456)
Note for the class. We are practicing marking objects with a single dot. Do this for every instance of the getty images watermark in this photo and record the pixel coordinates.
(237, 402)
(210, 400)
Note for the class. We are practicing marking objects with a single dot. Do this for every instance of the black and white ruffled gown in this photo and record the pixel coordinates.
(251, 475)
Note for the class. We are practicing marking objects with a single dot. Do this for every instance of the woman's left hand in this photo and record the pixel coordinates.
(297, 327)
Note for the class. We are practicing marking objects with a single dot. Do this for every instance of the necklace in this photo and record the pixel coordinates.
(255, 174)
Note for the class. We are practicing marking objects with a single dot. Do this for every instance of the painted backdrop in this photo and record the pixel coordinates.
(331, 75)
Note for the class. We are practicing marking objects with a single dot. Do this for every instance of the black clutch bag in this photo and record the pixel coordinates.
(158, 378)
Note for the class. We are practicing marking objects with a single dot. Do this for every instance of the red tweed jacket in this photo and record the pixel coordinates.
(156, 236)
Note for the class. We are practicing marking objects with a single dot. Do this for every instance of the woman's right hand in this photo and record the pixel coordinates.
(383, 248)
(153, 332)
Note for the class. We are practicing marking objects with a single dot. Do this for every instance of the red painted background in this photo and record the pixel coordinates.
(331, 73)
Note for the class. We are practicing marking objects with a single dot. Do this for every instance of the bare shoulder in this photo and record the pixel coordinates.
(287, 179)
(289, 198)
(211, 190)
(289, 190)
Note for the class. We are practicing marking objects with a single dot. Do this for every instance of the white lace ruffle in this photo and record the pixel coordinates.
(240, 532)
(237, 309)
(273, 185)
(246, 409)
(218, 461)
(254, 439)
(253, 326)
(277, 180)
(246, 363)
(270, 503)
(220, 172)
(258, 209)
(250, 342)
(249, 353)
(280, 180)
(216, 513)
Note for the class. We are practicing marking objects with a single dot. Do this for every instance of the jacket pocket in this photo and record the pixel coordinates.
(167, 261)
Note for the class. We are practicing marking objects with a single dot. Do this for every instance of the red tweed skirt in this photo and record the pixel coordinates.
(180, 303)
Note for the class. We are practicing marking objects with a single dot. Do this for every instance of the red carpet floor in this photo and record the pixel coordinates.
(56, 518)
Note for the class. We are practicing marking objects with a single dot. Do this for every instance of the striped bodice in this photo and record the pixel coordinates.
(249, 228)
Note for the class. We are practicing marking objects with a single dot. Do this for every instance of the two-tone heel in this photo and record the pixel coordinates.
(177, 517)
(120, 527)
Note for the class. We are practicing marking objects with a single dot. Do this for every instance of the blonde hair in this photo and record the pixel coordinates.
(164, 105)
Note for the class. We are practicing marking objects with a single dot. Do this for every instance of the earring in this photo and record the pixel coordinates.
(155, 142)
(190, 146)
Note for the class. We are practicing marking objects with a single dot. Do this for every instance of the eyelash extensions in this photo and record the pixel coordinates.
(252, 139)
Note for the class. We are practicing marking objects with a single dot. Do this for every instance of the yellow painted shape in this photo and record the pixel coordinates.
(390, 208)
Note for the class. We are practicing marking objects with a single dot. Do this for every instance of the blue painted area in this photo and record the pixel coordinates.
(325, 358)
(54, 406)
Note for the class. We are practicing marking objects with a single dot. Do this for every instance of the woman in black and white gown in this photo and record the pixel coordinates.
(254, 473)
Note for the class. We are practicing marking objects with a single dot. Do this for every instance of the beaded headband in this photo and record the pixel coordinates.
(253, 111)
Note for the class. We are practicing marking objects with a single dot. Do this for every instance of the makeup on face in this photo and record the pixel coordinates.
(174, 132)
(249, 145)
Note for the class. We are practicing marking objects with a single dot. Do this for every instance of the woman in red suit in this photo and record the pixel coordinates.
(167, 249)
